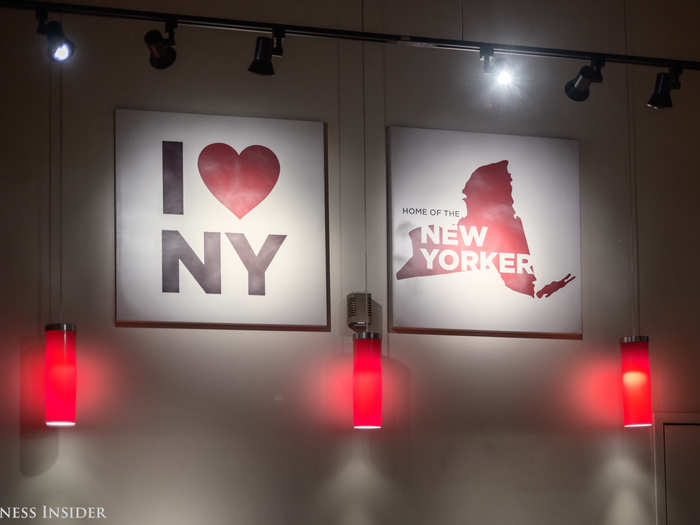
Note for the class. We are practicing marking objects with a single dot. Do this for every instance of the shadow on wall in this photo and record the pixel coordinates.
(38, 444)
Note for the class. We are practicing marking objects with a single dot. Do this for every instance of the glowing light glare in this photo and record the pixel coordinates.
(60, 376)
(504, 78)
(634, 379)
(60, 424)
(636, 382)
(367, 382)
(62, 52)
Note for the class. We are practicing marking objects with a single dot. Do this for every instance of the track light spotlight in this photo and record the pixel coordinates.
(665, 82)
(265, 49)
(578, 88)
(162, 52)
(262, 62)
(60, 48)
(493, 65)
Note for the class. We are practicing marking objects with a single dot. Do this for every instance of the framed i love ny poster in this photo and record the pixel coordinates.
(220, 221)
(484, 234)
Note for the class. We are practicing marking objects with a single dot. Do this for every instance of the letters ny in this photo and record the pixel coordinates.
(175, 249)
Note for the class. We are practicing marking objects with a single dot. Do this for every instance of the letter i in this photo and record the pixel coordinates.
(172, 178)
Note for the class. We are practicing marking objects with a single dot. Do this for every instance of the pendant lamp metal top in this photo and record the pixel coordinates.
(60, 375)
(634, 339)
(66, 327)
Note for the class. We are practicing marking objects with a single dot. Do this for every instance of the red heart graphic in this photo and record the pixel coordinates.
(240, 182)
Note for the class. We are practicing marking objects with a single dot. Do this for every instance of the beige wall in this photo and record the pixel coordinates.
(203, 426)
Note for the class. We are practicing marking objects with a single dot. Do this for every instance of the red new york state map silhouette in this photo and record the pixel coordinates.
(488, 195)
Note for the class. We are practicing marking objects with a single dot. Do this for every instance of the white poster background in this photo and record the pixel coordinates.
(296, 279)
(428, 169)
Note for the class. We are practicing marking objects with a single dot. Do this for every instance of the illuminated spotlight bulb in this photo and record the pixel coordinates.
(504, 78)
(578, 88)
(62, 52)
(60, 48)
(162, 52)
(665, 82)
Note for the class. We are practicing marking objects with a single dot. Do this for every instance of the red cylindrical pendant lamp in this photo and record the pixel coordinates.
(636, 382)
(60, 375)
(367, 381)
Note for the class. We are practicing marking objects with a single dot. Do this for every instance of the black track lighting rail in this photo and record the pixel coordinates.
(344, 34)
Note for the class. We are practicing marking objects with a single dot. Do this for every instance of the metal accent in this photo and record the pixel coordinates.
(635, 339)
(324, 32)
(64, 327)
(366, 335)
(359, 311)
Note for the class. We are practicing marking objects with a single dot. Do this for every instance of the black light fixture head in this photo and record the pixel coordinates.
(578, 88)
(486, 57)
(60, 48)
(162, 50)
(665, 82)
(265, 49)
(262, 62)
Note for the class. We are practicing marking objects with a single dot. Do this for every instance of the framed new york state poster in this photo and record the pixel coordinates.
(484, 234)
(220, 221)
